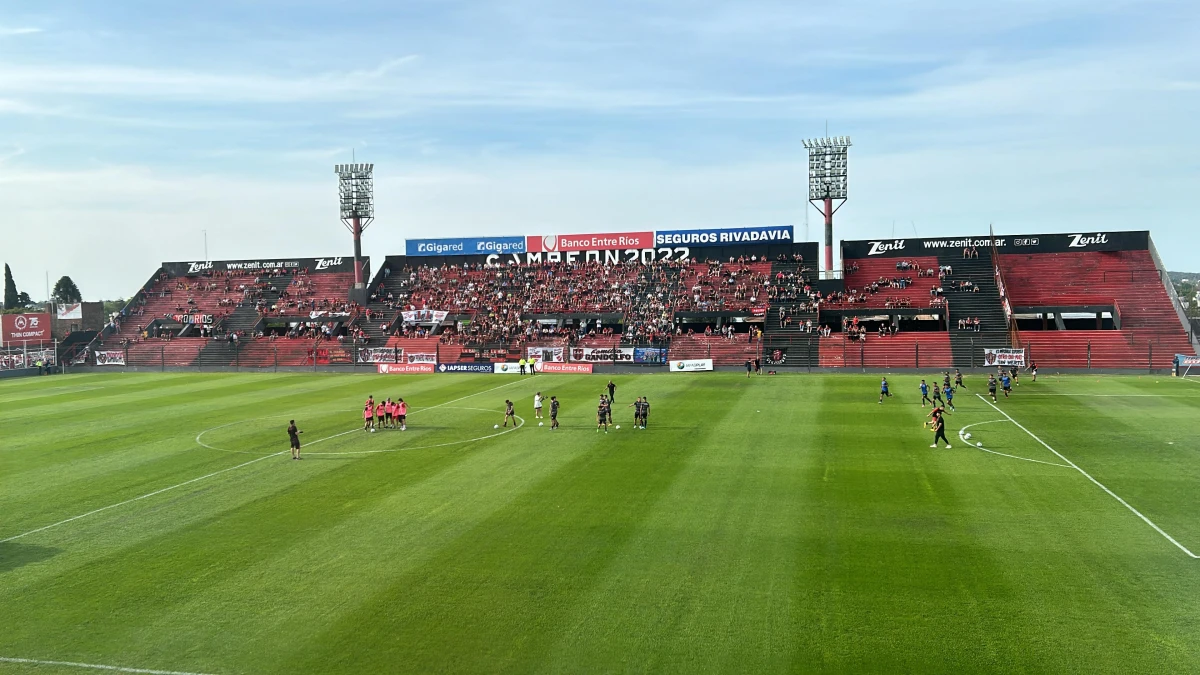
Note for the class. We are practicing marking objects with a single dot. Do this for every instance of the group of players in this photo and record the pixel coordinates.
(943, 396)
(385, 414)
(604, 419)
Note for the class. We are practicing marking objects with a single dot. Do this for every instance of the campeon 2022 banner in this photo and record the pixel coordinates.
(1004, 357)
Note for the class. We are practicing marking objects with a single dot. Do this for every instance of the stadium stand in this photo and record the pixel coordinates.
(1127, 281)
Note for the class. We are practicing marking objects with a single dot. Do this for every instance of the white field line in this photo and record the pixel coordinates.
(427, 447)
(95, 666)
(217, 473)
(1112, 494)
(980, 447)
(1026, 393)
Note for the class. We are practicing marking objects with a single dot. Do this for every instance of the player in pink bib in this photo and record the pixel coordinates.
(401, 414)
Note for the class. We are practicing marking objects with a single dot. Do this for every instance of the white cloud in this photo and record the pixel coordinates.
(6, 32)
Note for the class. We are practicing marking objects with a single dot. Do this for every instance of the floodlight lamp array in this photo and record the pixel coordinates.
(356, 191)
(827, 167)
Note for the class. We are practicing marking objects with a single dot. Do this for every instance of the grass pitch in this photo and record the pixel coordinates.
(784, 523)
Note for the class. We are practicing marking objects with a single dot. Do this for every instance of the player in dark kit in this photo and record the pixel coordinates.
(1006, 384)
(958, 380)
(937, 395)
(553, 413)
(508, 413)
(939, 431)
(602, 416)
(992, 387)
(612, 391)
(645, 411)
(294, 439)
(749, 367)
(925, 394)
(1033, 369)
(883, 390)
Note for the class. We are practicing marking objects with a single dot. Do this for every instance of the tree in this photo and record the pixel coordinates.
(66, 292)
(10, 289)
(24, 301)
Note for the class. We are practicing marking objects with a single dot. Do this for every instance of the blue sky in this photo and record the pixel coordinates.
(129, 128)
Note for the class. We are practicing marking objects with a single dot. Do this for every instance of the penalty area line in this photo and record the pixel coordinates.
(95, 666)
(1087, 475)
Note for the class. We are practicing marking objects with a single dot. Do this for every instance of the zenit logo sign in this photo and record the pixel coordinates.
(326, 263)
(1085, 240)
(199, 267)
(882, 247)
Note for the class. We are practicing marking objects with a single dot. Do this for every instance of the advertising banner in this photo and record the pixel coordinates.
(725, 237)
(464, 368)
(1185, 360)
(602, 354)
(564, 368)
(201, 267)
(404, 368)
(424, 316)
(72, 311)
(650, 355)
(110, 358)
(775, 357)
(1021, 243)
(380, 355)
(18, 329)
(510, 368)
(691, 365)
(1004, 357)
(589, 242)
(193, 318)
(484, 246)
(421, 358)
(547, 354)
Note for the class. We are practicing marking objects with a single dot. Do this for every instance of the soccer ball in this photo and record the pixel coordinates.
(541, 424)
(967, 435)
(618, 426)
(495, 426)
(979, 445)
(372, 429)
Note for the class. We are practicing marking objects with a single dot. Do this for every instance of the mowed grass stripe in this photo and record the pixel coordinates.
(492, 598)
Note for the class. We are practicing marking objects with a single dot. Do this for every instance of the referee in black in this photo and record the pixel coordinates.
(939, 431)
(294, 439)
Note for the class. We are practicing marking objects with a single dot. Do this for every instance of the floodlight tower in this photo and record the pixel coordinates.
(356, 192)
(827, 182)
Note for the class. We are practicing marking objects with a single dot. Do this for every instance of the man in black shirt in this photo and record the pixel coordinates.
(509, 414)
(645, 411)
(939, 431)
(553, 413)
(612, 391)
(294, 439)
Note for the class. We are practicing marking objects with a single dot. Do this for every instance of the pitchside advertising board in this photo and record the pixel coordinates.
(24, 329)
(464, 246)
(404, 368)
(202, 267)
(1021, 243)
(691, 365)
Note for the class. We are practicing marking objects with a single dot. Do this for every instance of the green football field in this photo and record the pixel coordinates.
(781, 523)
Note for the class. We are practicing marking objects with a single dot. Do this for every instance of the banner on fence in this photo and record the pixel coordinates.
(650, 355)
(71, 311)
(404, 368)
(110, 358)
(508, 368)
(1004, 357)
(691, 365)
(425, 316)
(564, 368)
(547, 354)
(464, 368)
(775, 357)
(421, 358)
(12, 361)
(602, 354)
(380, 355)
(1185, 360)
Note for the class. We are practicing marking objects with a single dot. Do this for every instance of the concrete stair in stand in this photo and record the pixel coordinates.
(968, 345)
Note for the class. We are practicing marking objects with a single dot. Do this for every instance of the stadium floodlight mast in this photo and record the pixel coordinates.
(356, 193)
(827, 182)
